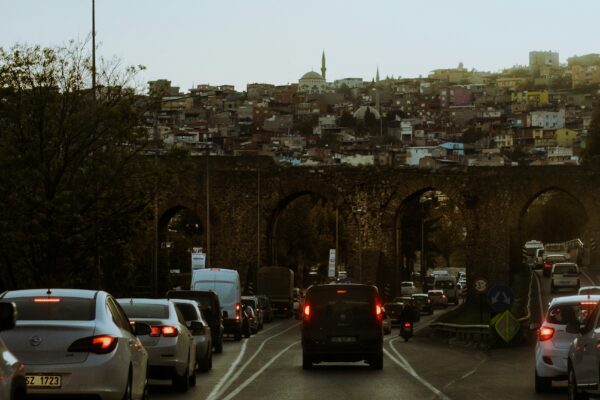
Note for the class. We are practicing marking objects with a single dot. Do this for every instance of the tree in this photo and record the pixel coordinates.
(74, 186)
(592, 148)
(345, 90)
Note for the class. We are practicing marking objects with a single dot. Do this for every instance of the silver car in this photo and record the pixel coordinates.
(77, 343)
(12, 387)
(170, 345)
(199, 329)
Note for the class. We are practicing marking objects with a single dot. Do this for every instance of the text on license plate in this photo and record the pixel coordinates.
(44, 381)
(343, 339)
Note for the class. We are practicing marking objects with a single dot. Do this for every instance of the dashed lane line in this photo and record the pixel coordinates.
(223, 380)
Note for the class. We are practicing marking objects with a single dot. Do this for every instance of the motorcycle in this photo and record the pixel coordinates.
(406, 330)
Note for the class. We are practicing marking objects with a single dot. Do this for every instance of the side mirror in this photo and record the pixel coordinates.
(534, 326)
(8, 316)
(141, 329)
(225, 314)
(197, 328)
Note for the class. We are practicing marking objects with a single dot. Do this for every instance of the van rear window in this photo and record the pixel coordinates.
(139, 310)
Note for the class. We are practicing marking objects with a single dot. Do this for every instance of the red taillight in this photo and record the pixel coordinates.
(238, 315)
(169, 331)
(155, 331)
(47, 300)
(306, 312)
(545, 333)
(378, 311)
(407, 324)
(102, 344)
(341, 291)
(588, 303)
(547, 265)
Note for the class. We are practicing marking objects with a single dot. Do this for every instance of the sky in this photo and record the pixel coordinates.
(276, 41)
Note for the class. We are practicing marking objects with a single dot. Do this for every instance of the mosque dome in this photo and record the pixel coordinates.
(312, 75)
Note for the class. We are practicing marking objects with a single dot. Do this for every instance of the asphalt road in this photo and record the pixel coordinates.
(268, 366)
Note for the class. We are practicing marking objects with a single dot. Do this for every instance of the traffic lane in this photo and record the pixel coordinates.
(234, 353)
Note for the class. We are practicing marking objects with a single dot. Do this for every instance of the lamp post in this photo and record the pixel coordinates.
(358, 211)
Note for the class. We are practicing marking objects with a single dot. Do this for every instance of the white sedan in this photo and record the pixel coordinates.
(77, 343)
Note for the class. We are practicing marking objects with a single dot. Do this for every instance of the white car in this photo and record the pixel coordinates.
(77, 343)
(170, 345)
(589, 290)
(199, 328)
(13, 386)
(408, 288)
(565, 275)
(552, 347)
(583, 368)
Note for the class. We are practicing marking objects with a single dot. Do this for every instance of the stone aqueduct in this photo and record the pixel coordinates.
(492, 201)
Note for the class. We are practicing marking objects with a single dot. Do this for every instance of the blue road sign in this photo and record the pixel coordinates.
(500, 297)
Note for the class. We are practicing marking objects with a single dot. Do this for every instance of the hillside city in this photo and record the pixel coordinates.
(525, 115)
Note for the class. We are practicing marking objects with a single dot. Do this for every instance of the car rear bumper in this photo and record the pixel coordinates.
(322, 349)
(232, 326)
(165, 362)
(557, 370)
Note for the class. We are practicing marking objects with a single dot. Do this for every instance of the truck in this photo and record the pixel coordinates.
(277, 283)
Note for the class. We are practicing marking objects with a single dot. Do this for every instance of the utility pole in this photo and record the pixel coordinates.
(208, 264)
(257, 224)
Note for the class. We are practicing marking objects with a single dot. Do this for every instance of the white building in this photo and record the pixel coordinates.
(312, 82)
(414, 154)
(547, 119)
(352, 83)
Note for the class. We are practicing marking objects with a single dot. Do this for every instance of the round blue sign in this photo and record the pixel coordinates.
(500, 298)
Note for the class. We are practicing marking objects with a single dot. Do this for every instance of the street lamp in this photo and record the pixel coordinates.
(359, 211)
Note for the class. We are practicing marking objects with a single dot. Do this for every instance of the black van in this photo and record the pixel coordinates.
(342, 323)
(211, 310)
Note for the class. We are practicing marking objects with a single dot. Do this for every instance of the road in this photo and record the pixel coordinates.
(268, 366)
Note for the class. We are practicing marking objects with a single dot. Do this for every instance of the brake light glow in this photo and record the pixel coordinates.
(155, 331)
(238, 315)
(407, 324)
(47, 300)
(588, 303)
(102, 344)
(341, 291)
(545, 333)
(307, 312)
(547, 265)
(378, 311)
(169, 331)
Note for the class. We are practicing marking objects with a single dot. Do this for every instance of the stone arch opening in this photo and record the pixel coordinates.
(430, 233)
(553, 215)
(179, 230)
(300, 232)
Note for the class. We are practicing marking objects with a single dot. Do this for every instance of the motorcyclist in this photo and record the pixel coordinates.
(409, 314)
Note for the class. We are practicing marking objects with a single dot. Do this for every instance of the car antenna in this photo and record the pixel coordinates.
(49, 292)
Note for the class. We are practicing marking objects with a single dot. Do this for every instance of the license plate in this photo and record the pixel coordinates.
(44, 381)
(343, 339)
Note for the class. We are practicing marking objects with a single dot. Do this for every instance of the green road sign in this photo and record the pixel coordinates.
(507, 325)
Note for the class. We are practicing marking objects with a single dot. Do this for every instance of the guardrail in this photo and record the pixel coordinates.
(481, 335)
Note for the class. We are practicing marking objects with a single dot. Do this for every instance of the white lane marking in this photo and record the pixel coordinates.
(255, 375)
(411, 372)
(230, 371)
(465, 376)
(402, 359)
(270, 328)
(223, 385)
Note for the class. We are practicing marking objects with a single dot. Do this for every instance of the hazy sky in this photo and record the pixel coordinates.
(240, 41)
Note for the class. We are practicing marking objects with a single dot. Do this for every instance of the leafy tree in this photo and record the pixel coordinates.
(74, 188)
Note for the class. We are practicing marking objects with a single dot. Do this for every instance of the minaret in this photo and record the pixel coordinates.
(377, 75)
(323, 68)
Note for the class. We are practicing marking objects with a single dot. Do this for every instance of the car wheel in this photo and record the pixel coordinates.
(181, 383)
(307, 362)
(127, 395)
(219, 345)
(204, 363)
(146, 392)
(542, 385)
(574, 394)
(377, 362)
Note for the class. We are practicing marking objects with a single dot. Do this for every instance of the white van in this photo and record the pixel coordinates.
(448, 285)
(226, 284)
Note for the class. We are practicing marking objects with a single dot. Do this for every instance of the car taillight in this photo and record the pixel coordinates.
(169, 331)
(238, 315)
(306, 312)
(378, 311)
(155, 331)
(545, 333)
(407, 324)
(547, 265)
(102, 344)
(47, 300)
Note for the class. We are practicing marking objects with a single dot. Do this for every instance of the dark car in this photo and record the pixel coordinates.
(267, 309)
(342, 323)
(424, 303)
(394, 310)
(211, 311)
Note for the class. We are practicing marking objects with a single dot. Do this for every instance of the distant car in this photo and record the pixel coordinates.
(438, 298)
(387, 323)
(564, 275)
(199, 329)
(589, 290)
(253, 302)
(448, 285)
(552, 346)
(13, 386)
(394, 310)
(550, 259)
(582, 367)
(211, 312)
(169, 336)
(342, 323)
(424, 303)
(266, 307)
(408, 288)
(250, 322)
(72, 340)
